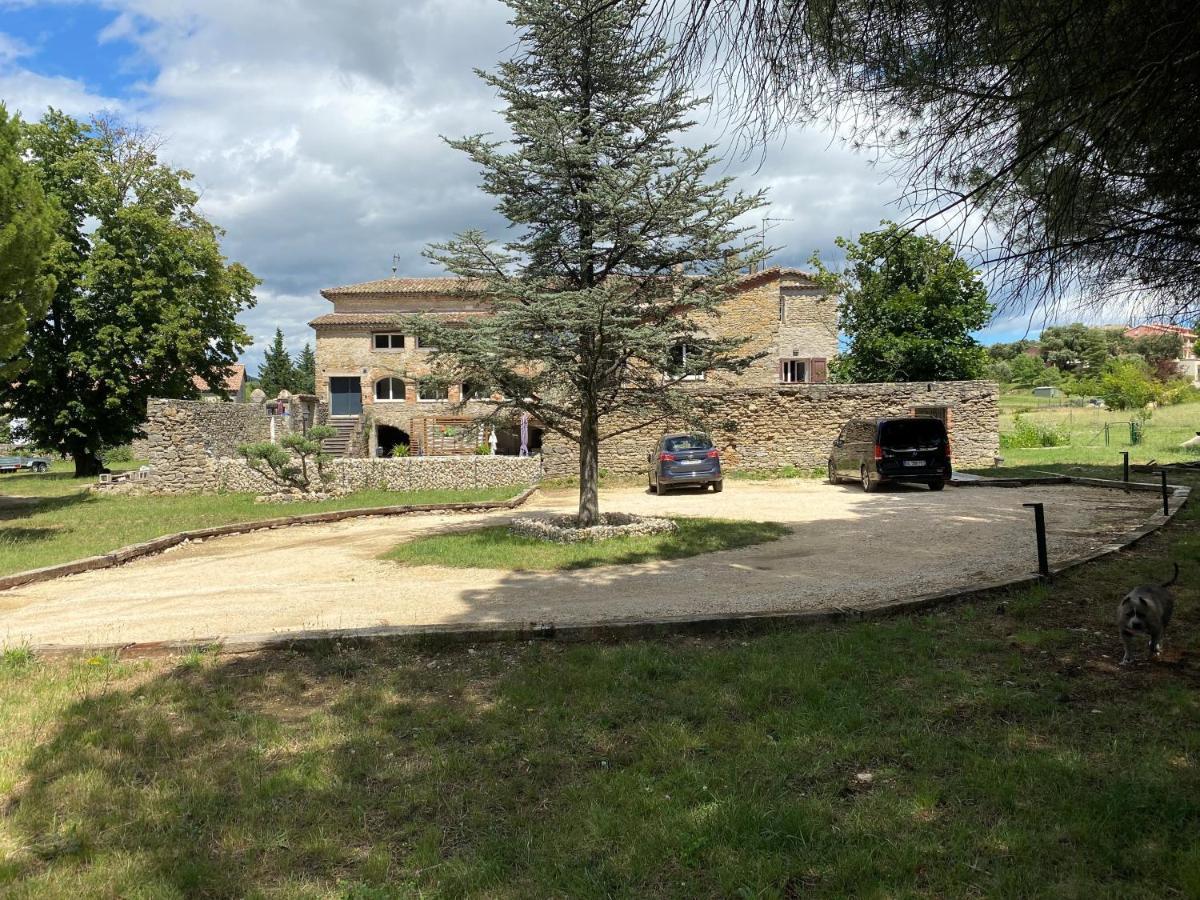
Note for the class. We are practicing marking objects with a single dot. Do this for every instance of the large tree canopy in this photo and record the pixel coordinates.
(1071, 128)
(623, 250)
(909, 305)
(26, 233)
(143, 300)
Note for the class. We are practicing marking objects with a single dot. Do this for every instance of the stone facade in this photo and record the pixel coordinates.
(785, 314)
(767, 428)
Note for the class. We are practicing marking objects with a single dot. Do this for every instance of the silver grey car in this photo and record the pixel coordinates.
(684, 459)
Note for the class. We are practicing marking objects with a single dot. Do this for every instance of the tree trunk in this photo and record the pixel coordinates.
(87, 464)
(589, 473)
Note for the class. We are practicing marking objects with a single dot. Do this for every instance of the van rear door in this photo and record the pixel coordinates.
(914, 446)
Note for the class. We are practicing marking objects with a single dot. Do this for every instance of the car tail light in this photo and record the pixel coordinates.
(878, 452)
(666, 457)
(713, 454)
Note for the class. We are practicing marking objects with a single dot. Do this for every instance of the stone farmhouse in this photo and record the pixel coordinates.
(373, 375)
(373, 382)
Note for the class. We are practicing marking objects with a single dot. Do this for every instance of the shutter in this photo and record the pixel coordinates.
(818, 371)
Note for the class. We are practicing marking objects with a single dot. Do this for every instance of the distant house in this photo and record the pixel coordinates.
(235, 384)
(1187, 364)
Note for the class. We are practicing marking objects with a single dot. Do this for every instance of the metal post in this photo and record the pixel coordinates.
(1165, 495)
(1105, 434)
(1039, 526)
(1125, 466)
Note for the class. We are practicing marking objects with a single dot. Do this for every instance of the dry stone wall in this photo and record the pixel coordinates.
(767, 428)
(425, 473)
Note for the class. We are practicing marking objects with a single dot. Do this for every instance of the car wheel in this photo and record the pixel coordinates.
(718, 486)
(833, 476)
(40, 468)
(937, 484)
(870, 485)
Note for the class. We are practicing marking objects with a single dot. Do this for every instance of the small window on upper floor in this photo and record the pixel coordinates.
(432, 389)
(685, 360)
(388, 341)
(389, 389)
(793, 371)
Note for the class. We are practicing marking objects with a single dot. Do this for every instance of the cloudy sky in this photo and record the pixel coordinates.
(313, 131)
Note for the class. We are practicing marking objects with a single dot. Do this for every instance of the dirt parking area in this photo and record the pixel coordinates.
(847, 549)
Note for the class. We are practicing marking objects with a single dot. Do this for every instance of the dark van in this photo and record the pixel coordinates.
(873, 451)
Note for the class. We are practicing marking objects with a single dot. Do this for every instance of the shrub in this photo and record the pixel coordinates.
(286, 464)
(1126, 383)
(484, 449)
(124, 453)
(400, 451)
(1026, 434)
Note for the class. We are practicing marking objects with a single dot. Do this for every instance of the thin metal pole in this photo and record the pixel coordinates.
(1125, 467)
(1039, 526)
(1165, 495)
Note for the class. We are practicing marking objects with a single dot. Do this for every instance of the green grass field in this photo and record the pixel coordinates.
(1163, 432)
(54, 518)
(496, 548)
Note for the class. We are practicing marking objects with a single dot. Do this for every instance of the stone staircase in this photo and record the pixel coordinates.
(344, 434)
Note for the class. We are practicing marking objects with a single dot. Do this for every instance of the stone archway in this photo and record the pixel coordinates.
(388, 437)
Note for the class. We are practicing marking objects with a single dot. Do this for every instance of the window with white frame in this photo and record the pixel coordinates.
(685, 356)
(430, 389)
(389, 340)
(793, 371)
(387, 389)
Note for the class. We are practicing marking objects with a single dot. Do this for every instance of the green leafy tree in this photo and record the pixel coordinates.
(143, 299)
(624, 249)
(909, 305)
(306, 371)
(1160, 351)
(277, 372)
(1003, 352)
(1127, 383)
(297, 462)
(1080, 348)
(26, 232)
(1027, 371)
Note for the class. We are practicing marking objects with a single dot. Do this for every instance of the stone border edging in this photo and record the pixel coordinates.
(644, 629)
(122, 555)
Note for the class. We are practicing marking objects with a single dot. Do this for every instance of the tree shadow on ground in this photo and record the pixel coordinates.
(716, 767)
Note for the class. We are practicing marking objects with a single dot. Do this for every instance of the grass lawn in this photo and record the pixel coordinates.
(54, 518)
(1164, 431)
(495, 548)
(982, 750)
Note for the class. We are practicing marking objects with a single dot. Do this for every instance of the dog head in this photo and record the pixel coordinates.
(1134, 613)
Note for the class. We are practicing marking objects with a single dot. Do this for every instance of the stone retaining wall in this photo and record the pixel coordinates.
(424, 473)
(767, 428)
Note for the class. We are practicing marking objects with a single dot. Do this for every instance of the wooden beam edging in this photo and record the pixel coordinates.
(436, 636)
(123, 555)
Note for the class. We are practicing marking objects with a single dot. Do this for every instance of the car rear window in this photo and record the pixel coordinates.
(912, 434)
(687, 442)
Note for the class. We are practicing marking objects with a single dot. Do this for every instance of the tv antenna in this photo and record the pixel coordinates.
(769, 224)
(395, 263)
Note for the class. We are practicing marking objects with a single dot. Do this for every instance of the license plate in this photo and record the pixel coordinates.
(914, 462)
(690, 462)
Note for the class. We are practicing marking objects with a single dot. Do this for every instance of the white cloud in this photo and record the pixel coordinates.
(313, 130)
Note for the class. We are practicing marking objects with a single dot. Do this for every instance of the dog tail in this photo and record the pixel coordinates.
(1174, 577)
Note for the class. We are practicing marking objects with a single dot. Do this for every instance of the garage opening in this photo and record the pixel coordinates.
(508, 441)
(388, 438)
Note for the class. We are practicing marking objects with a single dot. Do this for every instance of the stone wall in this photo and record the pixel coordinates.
(424, 473)
(766, 428)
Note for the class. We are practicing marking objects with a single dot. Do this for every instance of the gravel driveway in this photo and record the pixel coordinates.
(847, 549)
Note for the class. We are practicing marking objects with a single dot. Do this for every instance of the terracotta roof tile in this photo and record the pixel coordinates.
(381, 319)
(447, 284)
(233, 381)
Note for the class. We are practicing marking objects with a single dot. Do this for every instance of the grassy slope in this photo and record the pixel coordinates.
(64, 520)
(1008, 755)
(496, 548)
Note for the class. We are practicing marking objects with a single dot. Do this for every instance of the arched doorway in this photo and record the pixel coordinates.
(388, 438)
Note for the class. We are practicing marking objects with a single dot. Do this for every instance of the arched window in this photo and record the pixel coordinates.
(389, 389)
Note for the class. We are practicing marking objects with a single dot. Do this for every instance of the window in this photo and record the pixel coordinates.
(683, 358)
(793, 371)
(430, 389)
(388, 341)
(389, 389)
(803, 371)
(475, 391)
(687, 442)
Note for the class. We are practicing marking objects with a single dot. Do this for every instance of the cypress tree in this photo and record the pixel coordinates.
(277, 372)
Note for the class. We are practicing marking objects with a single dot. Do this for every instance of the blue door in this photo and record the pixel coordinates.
(345, 396)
